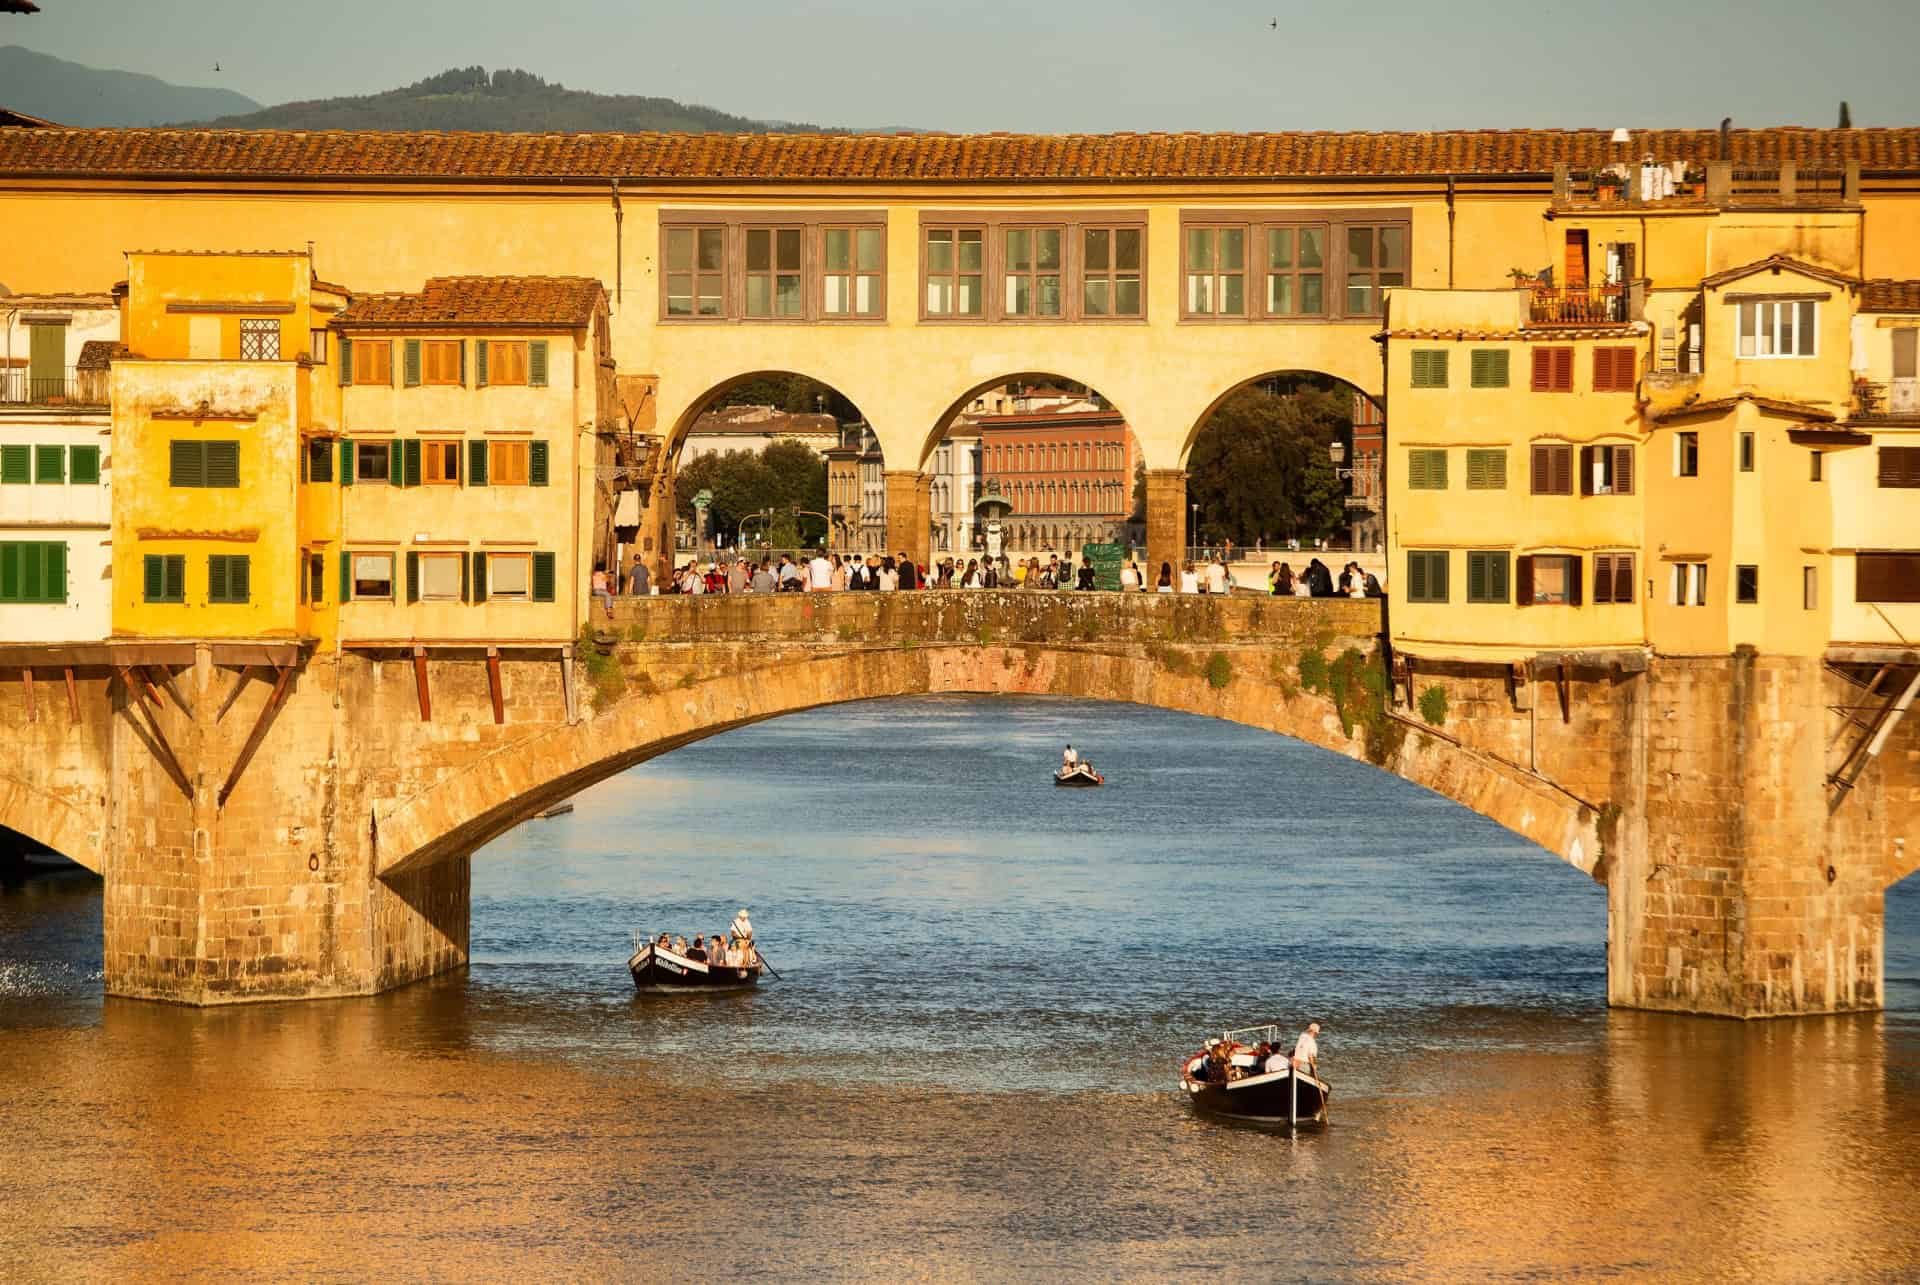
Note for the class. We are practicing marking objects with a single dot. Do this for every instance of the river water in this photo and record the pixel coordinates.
(967, 1072)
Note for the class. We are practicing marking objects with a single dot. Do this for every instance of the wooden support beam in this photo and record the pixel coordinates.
(420, 683)
(26, 678)
(1566, 694)
(150, 731)
(493, 685)
(566, 685)
(233, 694)
(73, 698)
(166, 682)
(259, 733)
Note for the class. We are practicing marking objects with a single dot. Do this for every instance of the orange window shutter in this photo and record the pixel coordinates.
(1562, 370)
(1542, 370)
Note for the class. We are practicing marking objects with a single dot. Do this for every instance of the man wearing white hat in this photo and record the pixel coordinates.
(742, 926)
(1306, 1053)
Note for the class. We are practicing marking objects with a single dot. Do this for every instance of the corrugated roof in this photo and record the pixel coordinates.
(363, 154)
(1882, 294)
(492, 301)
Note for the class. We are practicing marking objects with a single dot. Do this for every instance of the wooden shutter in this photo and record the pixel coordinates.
(217, 579)
(56, 584)
(49, 464)
(410, 451)
(1477, 577)
(223, 464)
(155, 575)
(537, 464)
(1437, 575)
(480, 360)
(1476, 470)
(1623, 470)
(186, 464)
(413, 576)
(1543, 470)
(84, 465)
(1416, 577)
(176, 571)
(1623, 577)
(1542, 370)
(463, 363)
(543, 577)
(1899, 466)
(537, 364)
(16, 464)
(1489, 368)
(466, 586)
(1563, 370)
(1523, 581)
(480, 574)
(1602, 578)
(346, 577)
(396, 465)
(1886, 577)
(1575, 570)
(11, 555)
(1417, 471)
(1562, 458)
(412, 358)
(1497, 576)
(346, 360)
(346, 462)
(476, 463)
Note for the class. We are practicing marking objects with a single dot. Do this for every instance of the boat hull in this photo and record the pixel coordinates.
(1267, 1098)
(654, 969)
(1078, 780)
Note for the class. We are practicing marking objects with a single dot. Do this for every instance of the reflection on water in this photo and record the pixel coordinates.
(968, 1072)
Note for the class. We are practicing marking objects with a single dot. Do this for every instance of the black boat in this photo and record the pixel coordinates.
(1080, 775)
(660, 968)
(1247, 1091)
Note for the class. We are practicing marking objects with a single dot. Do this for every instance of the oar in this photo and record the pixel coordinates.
(769, 967)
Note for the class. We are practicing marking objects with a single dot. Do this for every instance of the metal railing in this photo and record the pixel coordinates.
(19, 386)
(1577, 306)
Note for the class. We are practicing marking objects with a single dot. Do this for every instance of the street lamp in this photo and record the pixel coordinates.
(1193, 533)
(1337, 451)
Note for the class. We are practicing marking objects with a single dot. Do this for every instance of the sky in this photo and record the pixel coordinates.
(1052, 66)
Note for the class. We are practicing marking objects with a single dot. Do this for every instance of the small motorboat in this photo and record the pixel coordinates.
(1080, 774)
(1228, 1078)
(659, 968)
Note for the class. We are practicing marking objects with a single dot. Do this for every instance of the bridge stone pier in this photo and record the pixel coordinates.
(273, 823)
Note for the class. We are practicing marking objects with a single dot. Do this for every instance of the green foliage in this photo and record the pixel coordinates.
(1219, 670)
(1260, 467)
(793, 394)
(608, 679)
(636, 633)
(1357, 685)
(1313, 670)
(688, 681)
(779, 477)
(1433, 706)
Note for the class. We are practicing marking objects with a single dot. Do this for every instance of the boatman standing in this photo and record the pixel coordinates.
(1306, 1053)
(1068, 759)
(742, 926)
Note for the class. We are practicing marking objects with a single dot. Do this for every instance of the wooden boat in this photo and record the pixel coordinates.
(1250, 1092)
(658, 968)
(1079, 775)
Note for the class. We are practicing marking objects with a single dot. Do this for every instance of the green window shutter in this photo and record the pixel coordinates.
(1438, 576)
(411, 450)
(463, 363)
(346, 462)
(346, 360)
(1417, 470)
(1427, 470)
(1497, 580)
(536, 463)
(480, 362)
(11, 555)
(1440, 465)
(476, 463)
(217, 579)
(83, 465)
(1430, 368)
(1490, 366)
(16, 463)
(186, 463)
(412, 351)
(396, 465)
(50, 464)
(33, 574)
(175, 567)
(466, 580)
(543, 577)
(413, 576)
(1476, 470)
(1416, 577)
(240, 578)
(155, 574)
(479, 577)
(537, 363)
(346, 577)
(223, 464)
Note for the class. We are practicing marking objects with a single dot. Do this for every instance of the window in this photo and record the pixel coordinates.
(319, 459)
(1886, 577)
(33, 571)
(1746, 584)
(227, 577)
(1553, 470)
(1376, 259)
(1216, 272)
(1296, 271)
(259, 339)
(1689, 584)
(853, 259)
(16, 463)
(443, 361)
(1427, 575)
(1548, 580)
(165, 577)
(49, 464)
(1746, 452)
(956, 271)
(1489, 367)
(371, 578)
(442, 576)
(1779, 328)
(1032, 271)
(1486, 470)
(1899, 466)
(510, 575)
(1809, 588)
(1816, 465)
(1553, 370)
(1429, 368)
(507, 463)
(1487, 576)
(504, 361)
(695, 276)
(1613, 369)
(83, 465)
(442, 463)
(1686, 455)
(316, 577)
(317, 346)
(203, 464)
(372, 361)
(1613, 577)
(773, 272)
(1606, 470)
(373, 461)
(1110, 267)
(1427, 470)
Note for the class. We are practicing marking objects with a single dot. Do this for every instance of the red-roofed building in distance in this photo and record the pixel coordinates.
(1063, 457)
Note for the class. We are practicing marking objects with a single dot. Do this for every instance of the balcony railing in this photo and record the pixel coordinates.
(1717, 183)
(71, 387)
(1601, 305)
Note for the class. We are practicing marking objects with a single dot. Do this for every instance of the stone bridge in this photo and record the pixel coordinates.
(273, 823)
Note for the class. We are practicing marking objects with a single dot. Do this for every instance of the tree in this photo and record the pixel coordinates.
(782, 476)
(1260, 469)
(794, 394)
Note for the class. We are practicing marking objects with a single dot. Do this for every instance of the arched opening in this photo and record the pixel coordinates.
(1288, 462)
(1031, 467)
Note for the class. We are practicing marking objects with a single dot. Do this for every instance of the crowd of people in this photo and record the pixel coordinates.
(732, 948)
(1316, 581)
(1224, 1060)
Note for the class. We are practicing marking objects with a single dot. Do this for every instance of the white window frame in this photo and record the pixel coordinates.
(496, 562)
(353, 581)
(453, 560)
(1748, 332)
(1687, 585)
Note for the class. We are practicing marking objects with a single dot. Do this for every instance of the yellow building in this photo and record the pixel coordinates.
(467, 477)
(225, 374)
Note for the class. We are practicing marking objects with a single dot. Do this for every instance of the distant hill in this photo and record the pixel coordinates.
(72, 94)
(468, 98)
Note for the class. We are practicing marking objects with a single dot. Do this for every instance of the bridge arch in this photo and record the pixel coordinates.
(1200, 422)
(53, 822)
(466, 809)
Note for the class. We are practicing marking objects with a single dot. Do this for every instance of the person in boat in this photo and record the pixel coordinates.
(742, 927)
(665, 942)
(698, 951)
(680, 945)
(1276, 1060)
(1306, 1053)
(1068, 759)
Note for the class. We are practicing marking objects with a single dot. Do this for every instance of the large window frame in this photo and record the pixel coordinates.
(259, 339)
(1771, 323)
(1273, 240)
(711, 264)
(1113, 261)
(1029, 279)
(862, 276)
(773, 272)
(1082, 273)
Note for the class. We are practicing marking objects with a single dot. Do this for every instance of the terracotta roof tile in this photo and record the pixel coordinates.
(98, 354)
(1796, 410)
(1884, 295)
(1777, 263)
(896, 157)
(485, 301)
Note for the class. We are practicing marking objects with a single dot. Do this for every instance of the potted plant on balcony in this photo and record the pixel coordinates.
(1522, 279)
(1607, 186)
(1695, 180)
